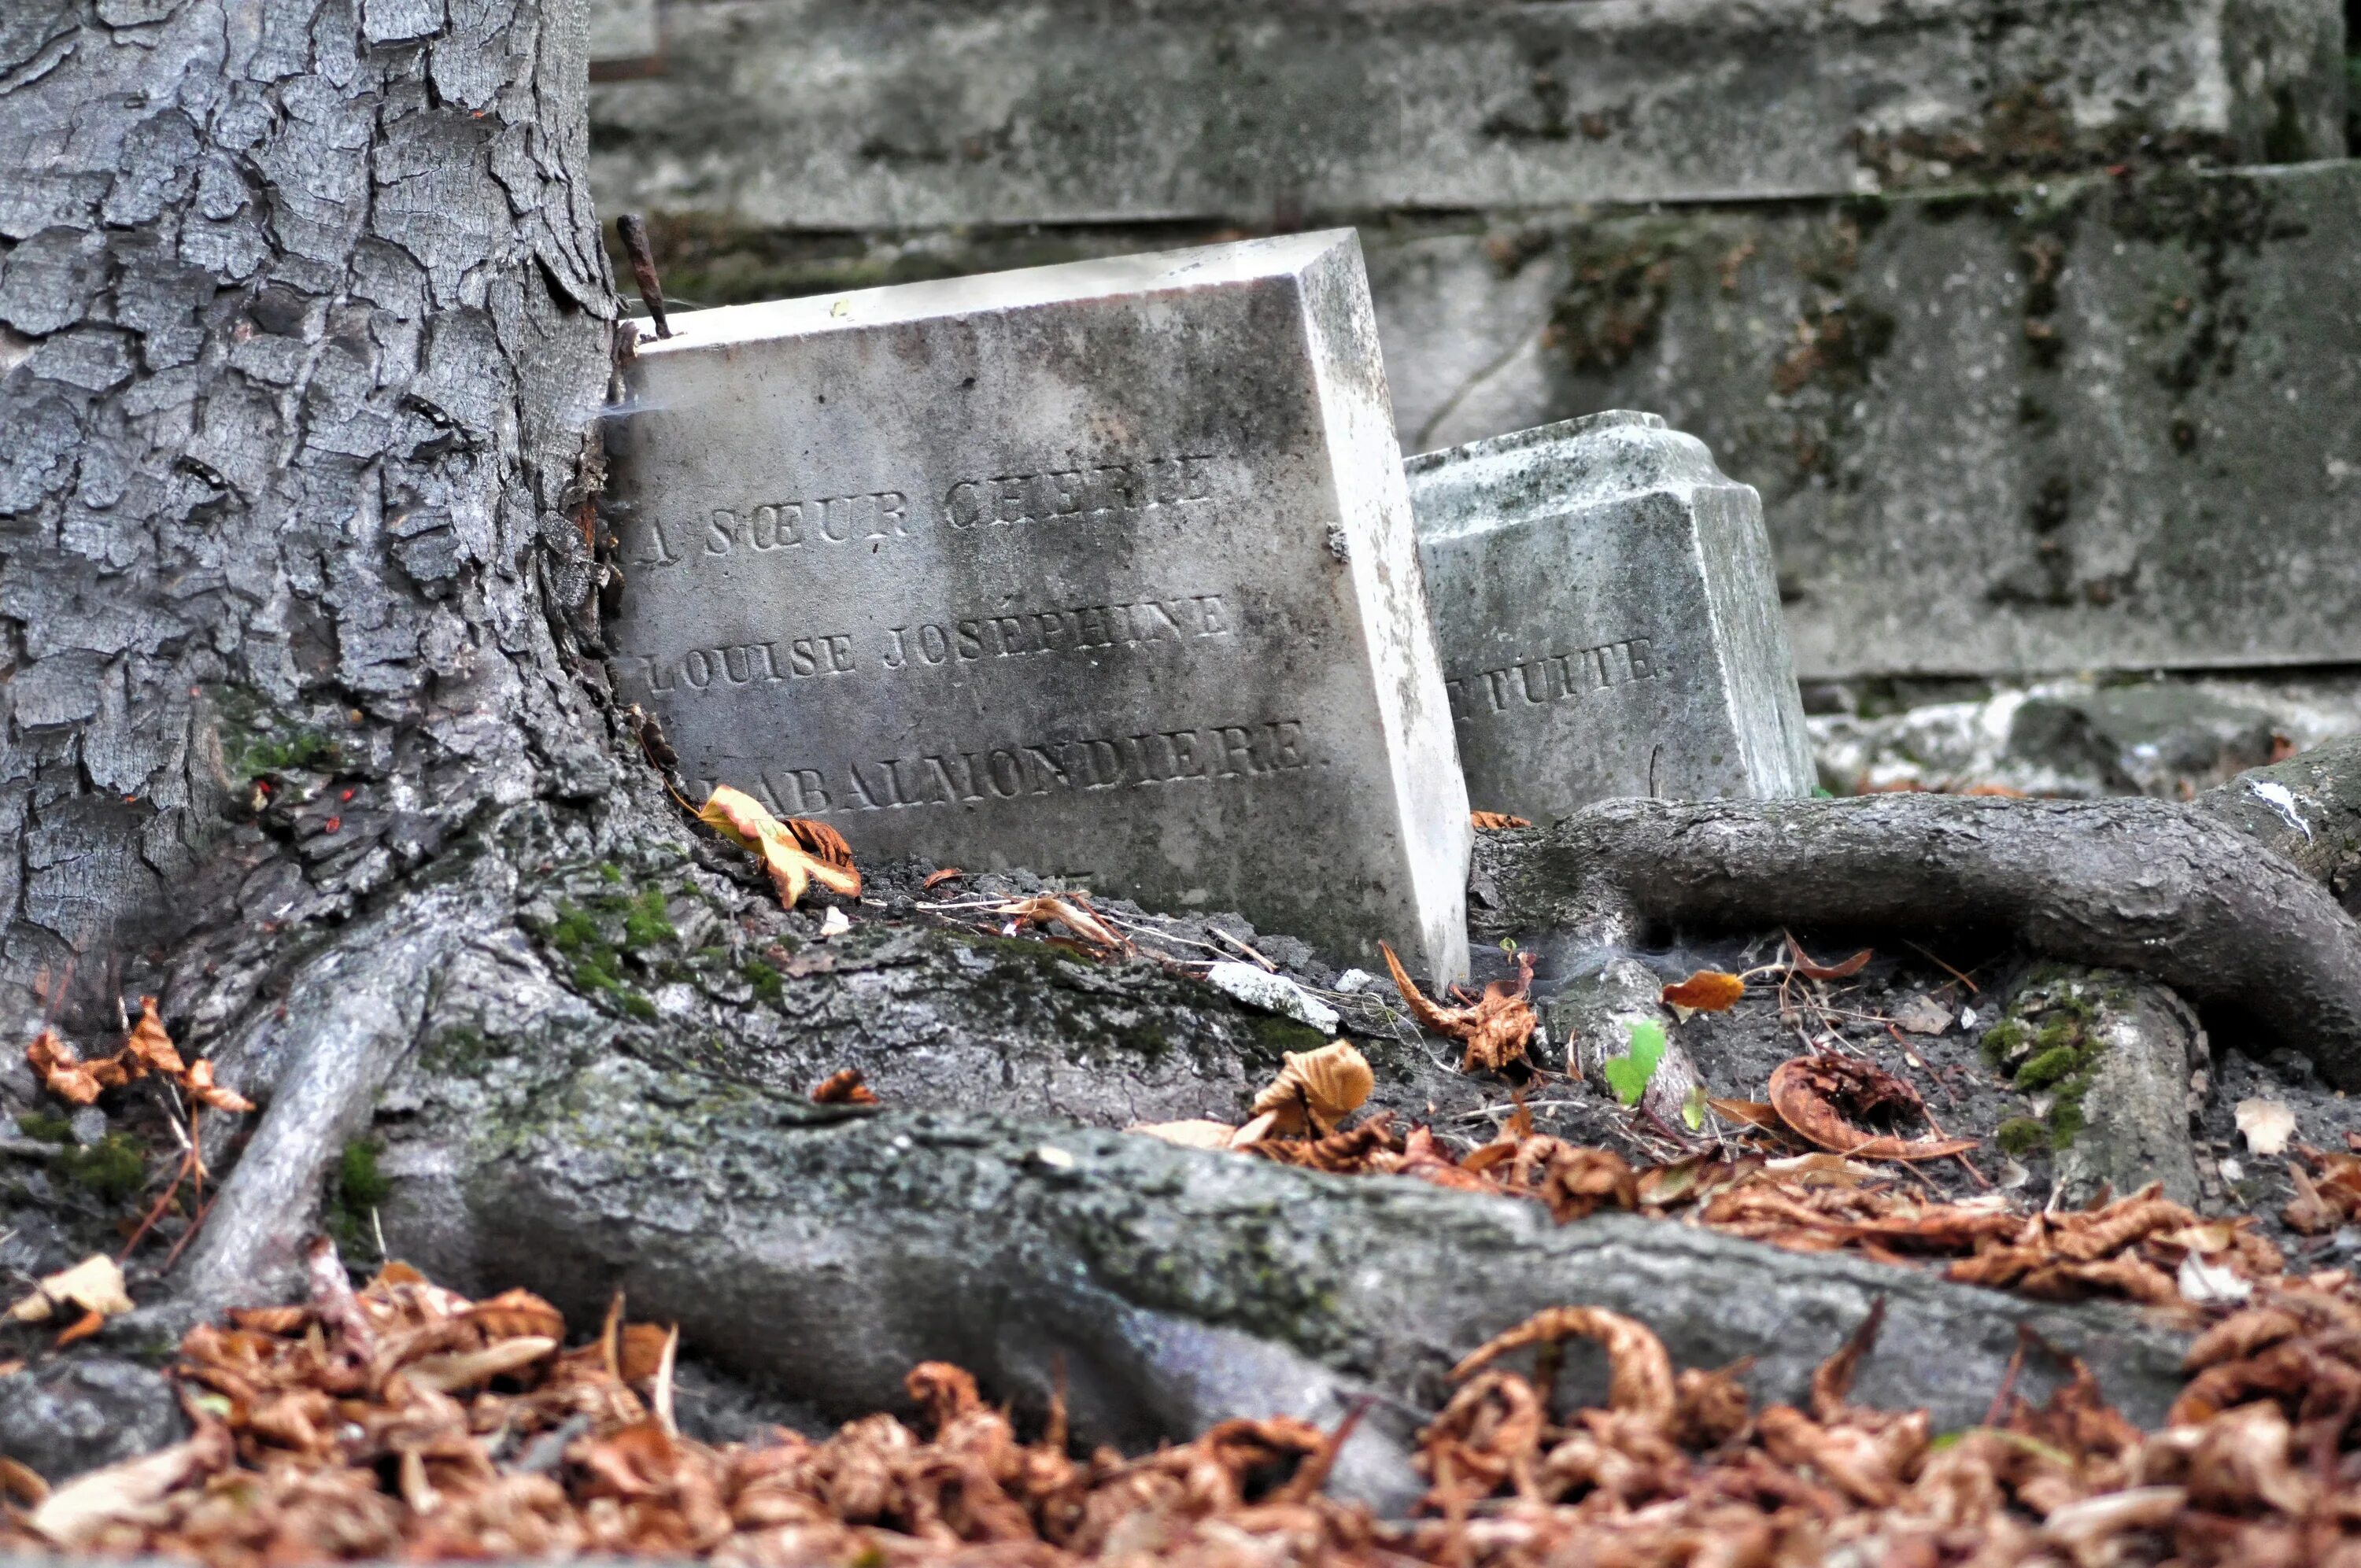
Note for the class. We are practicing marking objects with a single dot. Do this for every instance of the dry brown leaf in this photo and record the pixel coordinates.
(843, 1087)
(472, 1368)
(1922, 1016)
(1071, 911)
(797, 852)
(95, 1285)
(22, 1483)
(199, 1083)
(1317, 1088)
(1197, 1134)
(1496, 1028)
(2266, 1124)
(1760, 1115)
(149, 1046)
(81, 1507)
(1640, 1374)
(61, 1069)
(1707, 991)
(514, 1314)
(1817, 1095)
(80, 1328)
(1494, 821)
(937, 878)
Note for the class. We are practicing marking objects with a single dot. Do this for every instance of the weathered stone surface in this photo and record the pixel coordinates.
(76, 1414)
(2102, 424)
(2104, 1060)
(856, 115)
(1104, 570)
(1608, 620)
(823, 1254)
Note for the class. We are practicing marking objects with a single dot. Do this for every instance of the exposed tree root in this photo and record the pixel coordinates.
(2135, 884)
(2307, 808)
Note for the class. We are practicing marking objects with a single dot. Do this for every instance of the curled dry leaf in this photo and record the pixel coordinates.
(149, 1046)
(1707, 991)
(201, 1089)
(1494, 821)
(1070, 910)
(1495, 1027)
(1316, 1090)
(797, 852)
(937, 878)
(843, 1087)
(95, 1285)
(2266, 1124)
(1195, 1135)
(474, 1368)
(61, 1069)
(1817, 1096)
(1802, 965)
(1640, 1374)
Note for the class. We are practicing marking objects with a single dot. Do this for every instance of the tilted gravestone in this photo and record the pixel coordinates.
(1104, 570)
(1608, 619)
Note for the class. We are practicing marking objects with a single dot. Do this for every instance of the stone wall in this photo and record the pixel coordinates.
(2034, 370)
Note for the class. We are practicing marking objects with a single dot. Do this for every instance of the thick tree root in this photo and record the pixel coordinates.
(823, 1251)
(2308, 809)
(2134, 885)
(349, 1019)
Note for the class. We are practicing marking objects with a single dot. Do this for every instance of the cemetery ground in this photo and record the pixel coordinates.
(487, 1178)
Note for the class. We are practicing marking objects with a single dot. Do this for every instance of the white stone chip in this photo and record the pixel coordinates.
(1273, 993)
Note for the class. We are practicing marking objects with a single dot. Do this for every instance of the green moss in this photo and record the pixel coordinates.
(2021, 1136)
(2003, 1040)
(1278, 1036)
(2049, 1067)
(2066, 1119)
(360, 1185)
(574, 931)
(764, 980)
(639, 1007)
(48, 1127)
(113, 1167)
(645, 924)
(608, 872)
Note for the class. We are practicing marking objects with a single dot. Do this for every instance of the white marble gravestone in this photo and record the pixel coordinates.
(1104, 570)
(1609, 617)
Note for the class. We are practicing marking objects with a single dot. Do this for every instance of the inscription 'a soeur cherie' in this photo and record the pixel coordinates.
(996, 500)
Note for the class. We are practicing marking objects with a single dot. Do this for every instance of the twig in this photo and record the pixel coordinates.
(1241, 947)
(1973, 990)
(634, 235)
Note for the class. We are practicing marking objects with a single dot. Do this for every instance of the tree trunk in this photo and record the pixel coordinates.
(306, 326)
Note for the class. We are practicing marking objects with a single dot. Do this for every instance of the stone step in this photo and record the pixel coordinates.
(859, 115)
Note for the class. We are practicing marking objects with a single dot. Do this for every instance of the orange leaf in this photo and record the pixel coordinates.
(1707, 991)
(89, 1324)
(1492, 821)
(936, 879)
(844, 1088)
(797, 852)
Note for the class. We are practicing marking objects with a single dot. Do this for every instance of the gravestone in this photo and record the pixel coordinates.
(1104, 570)
(1608, 620)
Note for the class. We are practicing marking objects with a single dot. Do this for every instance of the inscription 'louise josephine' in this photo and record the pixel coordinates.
(1199, 754)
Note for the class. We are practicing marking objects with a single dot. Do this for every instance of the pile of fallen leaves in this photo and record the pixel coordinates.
(403, 1421)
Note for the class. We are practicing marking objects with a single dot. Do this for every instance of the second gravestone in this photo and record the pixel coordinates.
(1104, 570)
(1610, 622)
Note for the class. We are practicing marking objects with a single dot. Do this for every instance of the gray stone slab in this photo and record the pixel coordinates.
(1104, 570)
(2100, 424)
(870, 115)
(1608, 620)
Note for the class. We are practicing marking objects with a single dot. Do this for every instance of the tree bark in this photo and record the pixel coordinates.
(306, 326)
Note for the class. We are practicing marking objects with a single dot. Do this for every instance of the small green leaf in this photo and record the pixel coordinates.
(1693, 1108)
(1629, 1076)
